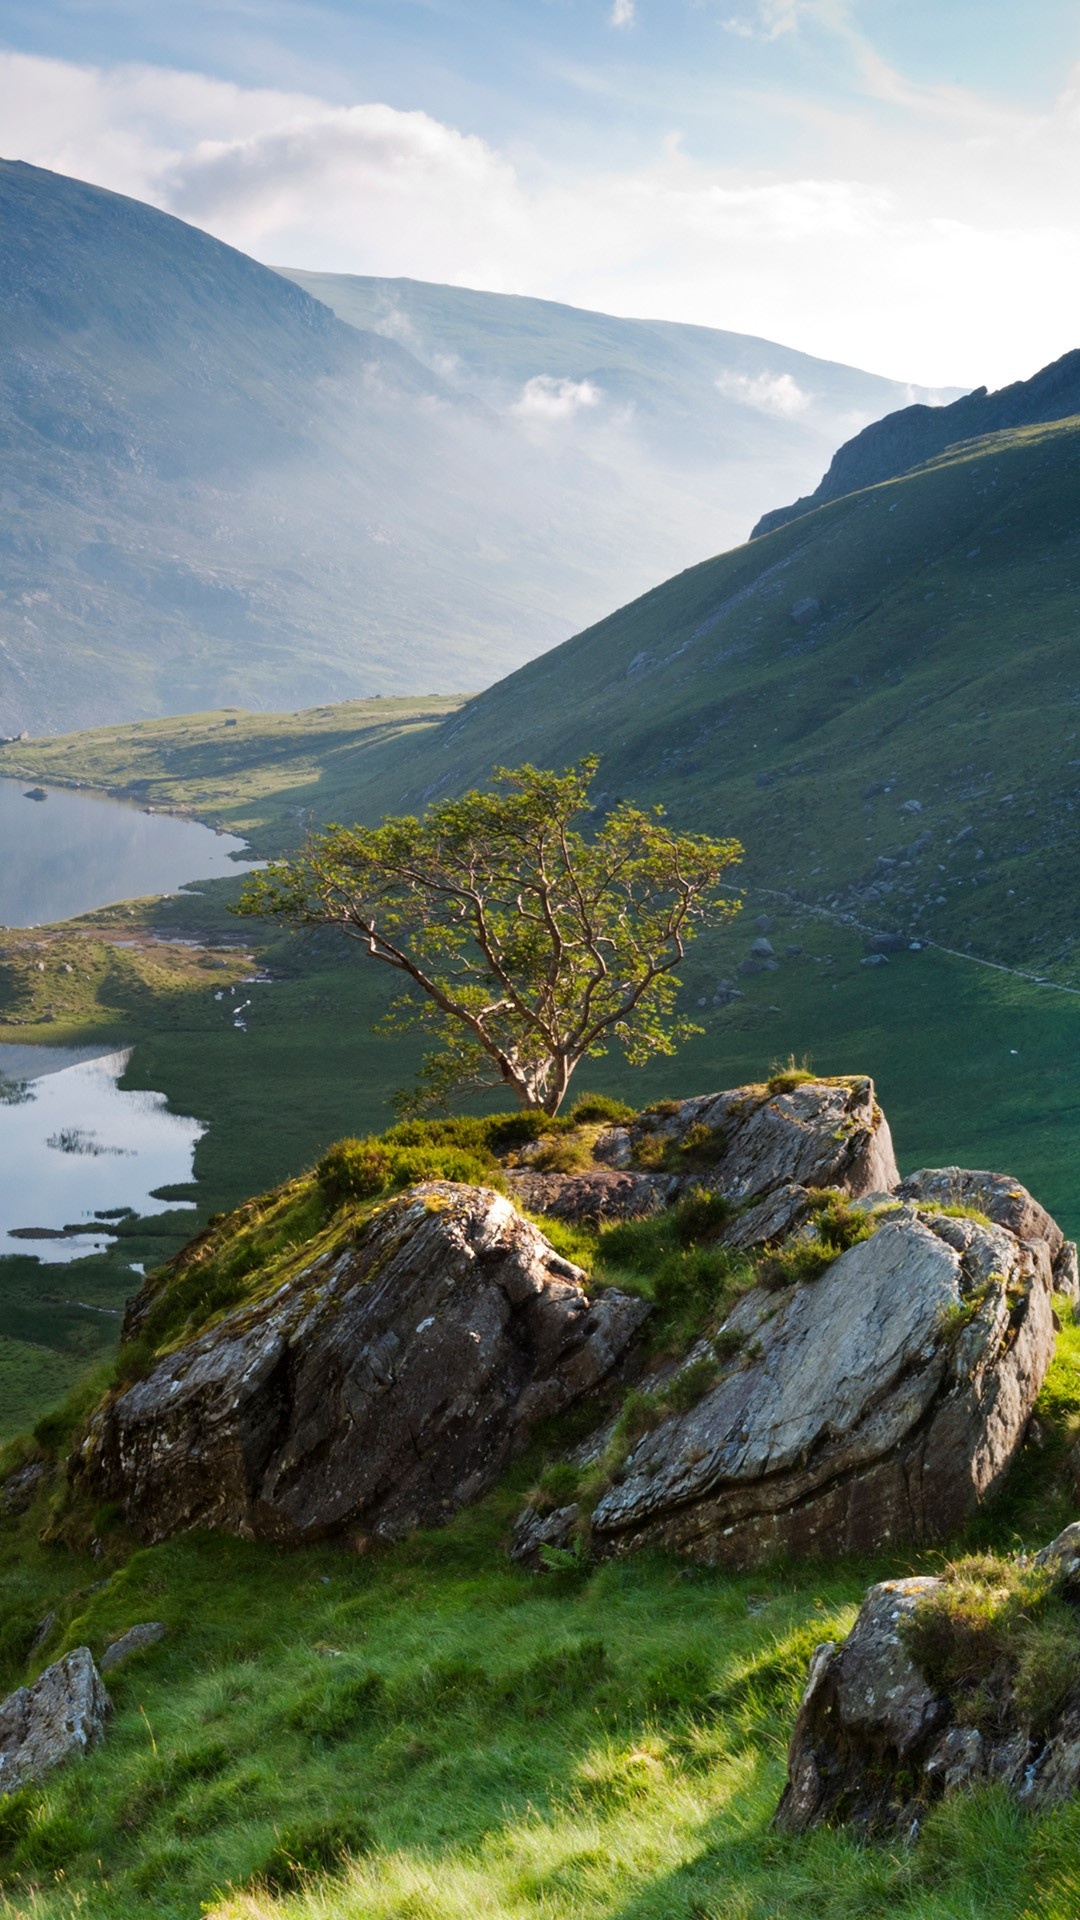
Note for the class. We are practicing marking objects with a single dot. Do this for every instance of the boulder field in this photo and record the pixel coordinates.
(867, 1396)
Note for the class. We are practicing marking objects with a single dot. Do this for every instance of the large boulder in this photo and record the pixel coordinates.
(875, 1745)
(382, 1388)
(63, 1714)
(877, 1403)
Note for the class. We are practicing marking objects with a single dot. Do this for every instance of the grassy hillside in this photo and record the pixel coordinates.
(880, 700)
(427, 1733)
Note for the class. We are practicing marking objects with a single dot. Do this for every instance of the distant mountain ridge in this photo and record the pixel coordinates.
(701, 395)
(217, 491)
(903, 440)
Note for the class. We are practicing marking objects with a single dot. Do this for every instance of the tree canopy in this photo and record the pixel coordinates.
(528, 944)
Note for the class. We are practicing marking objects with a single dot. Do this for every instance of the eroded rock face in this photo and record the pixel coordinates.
(874, 1746)
(380, 1390)
(63, 1714)
(875, 1404)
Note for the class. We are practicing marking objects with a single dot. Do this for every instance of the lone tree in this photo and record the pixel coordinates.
(531, 945)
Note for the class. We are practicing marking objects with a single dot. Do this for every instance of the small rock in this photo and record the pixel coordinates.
(874, 960)
(61, 1715)
(147, 1634)
(804, 610)
(762, 949)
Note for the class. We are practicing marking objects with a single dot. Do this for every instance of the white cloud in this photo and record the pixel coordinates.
(935, 241)
(622, 13)
(775, 393)
(545, 399)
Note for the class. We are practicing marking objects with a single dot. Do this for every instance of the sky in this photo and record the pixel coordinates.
(890, 183)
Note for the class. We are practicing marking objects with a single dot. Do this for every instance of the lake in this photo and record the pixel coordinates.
(74, 1144)
(73, 852)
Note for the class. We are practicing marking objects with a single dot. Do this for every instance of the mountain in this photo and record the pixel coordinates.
(903, 440)
(704, 405)
(882, 701)
(216, 490)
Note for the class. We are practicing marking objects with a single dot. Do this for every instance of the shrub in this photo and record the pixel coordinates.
(590, 1108)
(352, 1170)
(1000, 1640)
(568, 1154)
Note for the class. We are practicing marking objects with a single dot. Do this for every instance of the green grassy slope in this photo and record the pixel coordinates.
(881, 700)
(428, 1733)
(918, 433)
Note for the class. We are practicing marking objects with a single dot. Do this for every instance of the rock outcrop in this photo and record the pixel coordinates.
(379, 1390)
(63, 1714)
(844, 1400)
(874, 1744)
(763, 1150)
(877, 1403)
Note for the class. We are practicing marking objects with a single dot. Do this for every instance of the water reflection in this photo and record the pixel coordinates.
(73, 852)
(77, 1150)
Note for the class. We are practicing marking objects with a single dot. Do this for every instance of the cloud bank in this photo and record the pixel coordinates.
(932, 238)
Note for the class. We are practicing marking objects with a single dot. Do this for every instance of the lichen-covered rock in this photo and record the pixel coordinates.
(876, 1404)
(379, 1390)
(997, 1195)
(61, 1715)
(874, 1745)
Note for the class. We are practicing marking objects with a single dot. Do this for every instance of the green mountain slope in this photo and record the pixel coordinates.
(917, 433)
(882, 700)
(216, 490)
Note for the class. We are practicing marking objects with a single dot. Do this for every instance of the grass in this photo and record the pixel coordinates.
(428, 1733)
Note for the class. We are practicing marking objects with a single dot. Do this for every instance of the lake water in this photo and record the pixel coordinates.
(73, 1143)
(73, 852)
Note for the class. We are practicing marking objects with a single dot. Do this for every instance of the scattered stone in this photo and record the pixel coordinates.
(763, 923)
(762, 948)
(886, 943)
(18, 1490)
(804, 610)
(61, 1715)
(146, 1634)
(911, 806)
(874, 960)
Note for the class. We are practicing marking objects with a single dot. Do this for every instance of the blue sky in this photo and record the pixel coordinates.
(889, 182)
